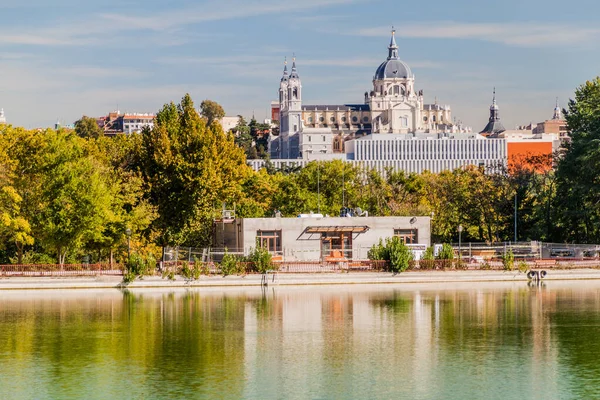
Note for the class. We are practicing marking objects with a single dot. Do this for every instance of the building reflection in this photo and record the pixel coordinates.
(351, 341)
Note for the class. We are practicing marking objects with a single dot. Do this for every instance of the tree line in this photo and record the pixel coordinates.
(70, 195)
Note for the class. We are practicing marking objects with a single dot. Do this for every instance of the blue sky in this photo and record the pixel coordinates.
(63, 59)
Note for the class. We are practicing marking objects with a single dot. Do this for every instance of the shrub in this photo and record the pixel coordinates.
(446, 253)
(508, 260)
(378, 252)
(399, 254)
(428, 260)
(136, 266)
(186, 271)
(262, 260)
(428, 255)
(229, 264)
(393, 251)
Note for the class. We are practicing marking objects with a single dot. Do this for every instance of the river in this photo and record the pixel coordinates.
(419, 341)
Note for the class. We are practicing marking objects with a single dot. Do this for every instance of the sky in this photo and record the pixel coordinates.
(67, 58)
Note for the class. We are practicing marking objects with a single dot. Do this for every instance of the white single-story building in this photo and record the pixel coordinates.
(312, 237)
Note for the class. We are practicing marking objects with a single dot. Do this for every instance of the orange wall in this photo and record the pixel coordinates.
(519, 152)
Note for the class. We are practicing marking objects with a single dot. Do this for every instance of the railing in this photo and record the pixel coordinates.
(211, 268)
(33, 270)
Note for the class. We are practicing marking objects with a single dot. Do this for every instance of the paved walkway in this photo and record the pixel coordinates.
(411, 277)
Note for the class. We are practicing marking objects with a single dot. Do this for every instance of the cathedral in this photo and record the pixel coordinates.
(392, 106)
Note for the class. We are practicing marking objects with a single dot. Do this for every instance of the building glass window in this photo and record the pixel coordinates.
(332, 119)
(366, 119)
(336, 246)
(354, 119)
(270, 240)
(343, 119)
(321, 119)
(408, 236)
(310, 119)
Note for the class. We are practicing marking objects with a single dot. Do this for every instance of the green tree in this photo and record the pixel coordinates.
(188, 169)
(75, 195)
(212, 111)
(88, 128)
(577, 204)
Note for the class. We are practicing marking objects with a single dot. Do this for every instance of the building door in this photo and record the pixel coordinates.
(336, 245)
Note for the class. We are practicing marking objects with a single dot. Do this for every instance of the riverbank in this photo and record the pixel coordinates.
(290, 279)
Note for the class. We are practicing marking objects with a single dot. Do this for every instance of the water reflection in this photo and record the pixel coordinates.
(491, 340)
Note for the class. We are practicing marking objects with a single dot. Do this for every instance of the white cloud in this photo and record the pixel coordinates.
(523, 34)
(216, 11)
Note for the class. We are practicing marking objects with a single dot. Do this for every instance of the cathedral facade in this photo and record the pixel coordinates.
(392, 106)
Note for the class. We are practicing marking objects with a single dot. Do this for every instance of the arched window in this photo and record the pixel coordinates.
(433, 118)
(425, 119)
(295, 93)
(396, 90)
(338, 145)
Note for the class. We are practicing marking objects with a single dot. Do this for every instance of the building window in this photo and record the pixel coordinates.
(433, 118)
(408, 236)
(332, 119)
(321, 119)
(354, 119)
(425, 119)
(337, 144)
(323, 137)
(336, 246)
(343, 119)
(310, 120)
(366, 119)
(270, 240)
(309, 138)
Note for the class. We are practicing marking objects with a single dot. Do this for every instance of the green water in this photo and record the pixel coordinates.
(478, 341)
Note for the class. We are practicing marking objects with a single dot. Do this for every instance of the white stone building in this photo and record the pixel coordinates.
(392, 106)
(313, 237)
(135, 123)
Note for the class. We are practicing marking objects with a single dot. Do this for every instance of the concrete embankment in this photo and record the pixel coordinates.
(289, 279)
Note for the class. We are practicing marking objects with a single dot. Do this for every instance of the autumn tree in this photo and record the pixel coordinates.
(88, 128)
(212, 111)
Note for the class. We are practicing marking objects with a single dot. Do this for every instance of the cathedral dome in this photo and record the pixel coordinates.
(393, 68)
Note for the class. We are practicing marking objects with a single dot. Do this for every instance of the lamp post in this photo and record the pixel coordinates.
(460, 229)
(128, 233)
(431, 227)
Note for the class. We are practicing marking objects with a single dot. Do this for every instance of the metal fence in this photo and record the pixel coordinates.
(527, 251)
(191, 254)
(212, 268)
(35, 270)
